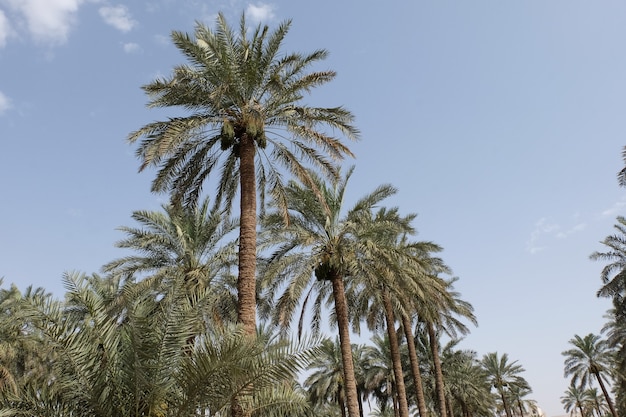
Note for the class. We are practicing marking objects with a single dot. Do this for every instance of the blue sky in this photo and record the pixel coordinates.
(501, 124)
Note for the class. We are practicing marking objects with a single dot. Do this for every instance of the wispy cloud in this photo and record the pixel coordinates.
(131, 47)
(5, 29)
(118, 16)
(618, 208)
(47, 21)
(260, 12)
(5, 103)
(542, 227)
(546, 230)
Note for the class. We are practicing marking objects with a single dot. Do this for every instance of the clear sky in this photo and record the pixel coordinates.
(500, 122)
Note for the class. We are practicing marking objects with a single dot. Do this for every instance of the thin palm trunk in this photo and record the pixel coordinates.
(341, 311)
(396, 360)
(342, 402)
(580, 408)
(450, 409)
(246, 283)
(415, 367)
(521, 408)
(434, 348)
(504, 403)
(606, 394)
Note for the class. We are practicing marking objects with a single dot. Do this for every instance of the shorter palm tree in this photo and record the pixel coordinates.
(590, 357)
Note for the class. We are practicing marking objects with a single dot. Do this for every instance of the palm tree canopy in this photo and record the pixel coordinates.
(613, 275)
(589, 356)
(239, 84)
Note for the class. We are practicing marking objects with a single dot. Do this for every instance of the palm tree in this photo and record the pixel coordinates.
(190, 243)
(590, 356)
(444, 315)
(143, 366)
(379, 377)
(244, 95)
(325, 384)
(503, 375)
(467, 387)
(574, 398)
(613, 275)
(615, 329)
(321, 245)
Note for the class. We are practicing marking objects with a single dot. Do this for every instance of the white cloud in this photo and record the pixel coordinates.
(117, 16)
(542, 227)
(5, 29)
(47, 21)
(5, 103)
(575, 229)
(131, 47)
(617, 208)
(260, 12)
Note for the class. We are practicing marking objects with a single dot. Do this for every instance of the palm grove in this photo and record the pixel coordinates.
(171, 329)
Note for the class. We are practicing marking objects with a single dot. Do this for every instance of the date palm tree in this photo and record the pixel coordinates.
(590, 357)
(322, 245)
(246, 124)
(192, 243)
(613, 275)
(573, 399)
(503, 375)
(144, 365)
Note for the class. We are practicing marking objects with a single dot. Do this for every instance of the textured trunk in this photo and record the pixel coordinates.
(246, 282)
(606, 394)
(415, 366)
(342, 403)
(504, 403)
(450, 410)
(343, 324)
(396, 360)
(434, 348)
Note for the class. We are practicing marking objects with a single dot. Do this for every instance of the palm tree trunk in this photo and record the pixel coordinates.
(396, 360)
(246, 282)
(504, 403)
(521, 408)
(450, 410)
(415, 366)
(434, 348)
(580, 407)
(343, 324)
(606, 394)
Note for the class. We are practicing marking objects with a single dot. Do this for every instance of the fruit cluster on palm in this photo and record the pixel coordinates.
(171, 329)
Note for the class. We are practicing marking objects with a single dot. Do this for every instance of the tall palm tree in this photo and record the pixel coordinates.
(444, 314)
(386, 289)
(322, 245)
(503, 375)
(589, 357)
(246, 119)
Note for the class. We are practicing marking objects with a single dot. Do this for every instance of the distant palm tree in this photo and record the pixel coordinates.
(246, 125)
(466, 383)
(590, 357)
(613, 275)
(325, 384)
(503, 375)
(573, 399)
(192, 243)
